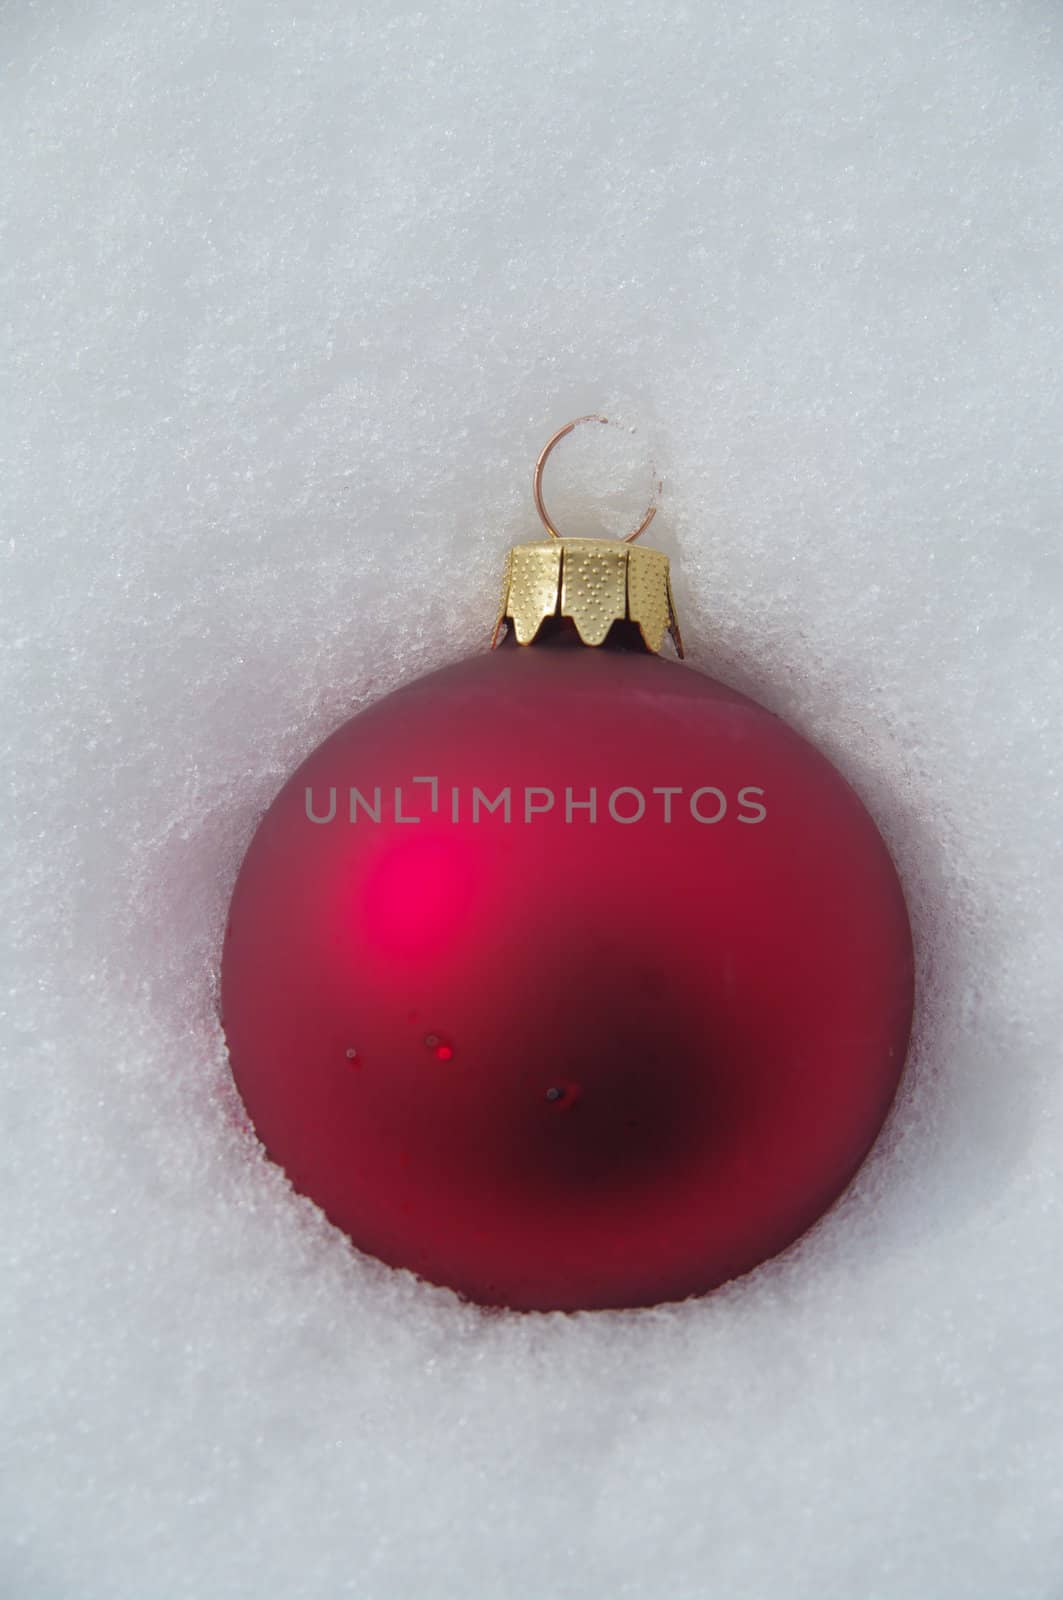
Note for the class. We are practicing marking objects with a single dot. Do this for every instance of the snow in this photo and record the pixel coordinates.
(294, 293)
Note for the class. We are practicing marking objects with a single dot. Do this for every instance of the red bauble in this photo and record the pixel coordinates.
(556, 1061)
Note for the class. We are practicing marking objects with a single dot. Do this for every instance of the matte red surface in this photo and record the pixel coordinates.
(562, 1064)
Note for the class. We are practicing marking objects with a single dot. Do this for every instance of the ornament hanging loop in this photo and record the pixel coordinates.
(537, 482)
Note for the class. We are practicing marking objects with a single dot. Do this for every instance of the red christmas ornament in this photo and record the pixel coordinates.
(567, 976)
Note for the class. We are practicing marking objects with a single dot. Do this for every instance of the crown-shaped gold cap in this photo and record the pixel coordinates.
(595, 582)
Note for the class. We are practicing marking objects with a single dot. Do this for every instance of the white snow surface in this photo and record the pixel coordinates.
(293, 294)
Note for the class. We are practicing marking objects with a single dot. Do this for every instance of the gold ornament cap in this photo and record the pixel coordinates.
(594, 582)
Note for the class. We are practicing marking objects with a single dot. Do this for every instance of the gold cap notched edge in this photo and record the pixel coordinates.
(595, 582)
